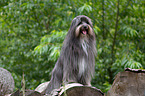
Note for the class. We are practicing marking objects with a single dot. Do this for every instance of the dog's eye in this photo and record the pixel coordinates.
(80, 23)
(87, 22)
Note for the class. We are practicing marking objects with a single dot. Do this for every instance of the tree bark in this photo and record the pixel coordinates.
(73, 89)
(131, 82)
(76, 89)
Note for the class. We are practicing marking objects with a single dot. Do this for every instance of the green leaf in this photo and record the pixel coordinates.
(85, 7)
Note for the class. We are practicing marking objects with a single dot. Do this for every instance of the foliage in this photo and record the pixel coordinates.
(32, 34)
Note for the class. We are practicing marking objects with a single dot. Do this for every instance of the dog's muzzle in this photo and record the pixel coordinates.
(84, 29)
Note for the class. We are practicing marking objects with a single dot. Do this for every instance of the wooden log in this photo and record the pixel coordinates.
(27, 93)
(73, 89)
(130, 82)
(41, 87)
(76, 89)
(6, 82)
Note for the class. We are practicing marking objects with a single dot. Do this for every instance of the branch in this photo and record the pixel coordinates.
(36, 18)
(114, 42)
(115, 34)
(103, 18)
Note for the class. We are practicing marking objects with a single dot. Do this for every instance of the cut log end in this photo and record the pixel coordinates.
(130, 82)
(79, 90)
(82, 91)
(73, 89)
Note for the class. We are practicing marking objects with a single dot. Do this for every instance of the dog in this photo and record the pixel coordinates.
(77, 58)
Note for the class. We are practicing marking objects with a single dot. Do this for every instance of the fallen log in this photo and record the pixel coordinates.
(73, 89)
(76, 89)
(27, 93)
(6, 82)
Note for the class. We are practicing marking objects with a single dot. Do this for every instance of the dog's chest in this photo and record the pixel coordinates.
(82, 66)
(83, 61)
(84, 46)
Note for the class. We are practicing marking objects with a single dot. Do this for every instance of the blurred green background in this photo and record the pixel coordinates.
(32, 34)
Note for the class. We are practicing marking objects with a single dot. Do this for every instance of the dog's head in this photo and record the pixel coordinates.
(80, 34)
(82, 26)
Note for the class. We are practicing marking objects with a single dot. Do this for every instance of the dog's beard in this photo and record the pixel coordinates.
(84, 32)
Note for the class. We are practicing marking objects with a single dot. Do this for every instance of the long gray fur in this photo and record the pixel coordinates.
(77, 59)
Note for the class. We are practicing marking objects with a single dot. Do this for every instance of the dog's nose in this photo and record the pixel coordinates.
(85, 26)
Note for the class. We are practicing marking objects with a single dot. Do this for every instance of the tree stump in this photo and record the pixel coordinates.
(6, 82)
(131, 82)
